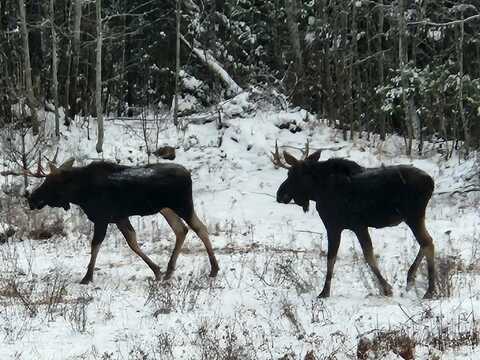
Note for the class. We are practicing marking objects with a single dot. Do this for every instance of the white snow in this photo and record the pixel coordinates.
(263, 304)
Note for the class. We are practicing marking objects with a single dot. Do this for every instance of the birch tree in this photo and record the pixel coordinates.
(177, 62)
(77, 17)
(31, 101)
(54, 67)
(98, 77)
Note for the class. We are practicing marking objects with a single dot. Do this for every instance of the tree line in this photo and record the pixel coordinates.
(368, 66)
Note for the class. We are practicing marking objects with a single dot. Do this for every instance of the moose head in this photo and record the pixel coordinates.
(300, 182)
(52, 191)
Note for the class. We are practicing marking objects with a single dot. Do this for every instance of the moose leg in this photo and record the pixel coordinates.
(180, 231)
(201, 230)
(99, 231)
(333, 244)
(412, 271)
(427, 249)
(129, 233)
(367, 248)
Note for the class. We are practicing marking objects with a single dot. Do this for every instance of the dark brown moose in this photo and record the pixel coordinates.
(349, 196)
(110, 193)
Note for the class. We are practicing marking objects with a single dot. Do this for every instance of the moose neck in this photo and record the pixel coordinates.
(74, 183)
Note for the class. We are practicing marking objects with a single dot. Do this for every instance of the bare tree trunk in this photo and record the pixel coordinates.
(416, 120)
(98, 77)
(351, 73)
(461, 110)
(54, 67)
(120, 93)
(31, 101)
(77, 17)
(177, 64)
(35, 45)
(68, 60)
(291, 10)
(381, 71)
(402, 54)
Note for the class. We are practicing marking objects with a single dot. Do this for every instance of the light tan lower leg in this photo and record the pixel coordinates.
(201, 230)
(428, 250)
(367, 248)
(180, 231)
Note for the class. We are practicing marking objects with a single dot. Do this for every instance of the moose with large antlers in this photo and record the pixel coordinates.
(349, 196)
(111, 193)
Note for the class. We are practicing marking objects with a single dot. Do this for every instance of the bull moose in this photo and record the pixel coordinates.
(111, 193)
(349, 196)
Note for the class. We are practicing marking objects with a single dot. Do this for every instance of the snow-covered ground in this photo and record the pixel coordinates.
(263, 304)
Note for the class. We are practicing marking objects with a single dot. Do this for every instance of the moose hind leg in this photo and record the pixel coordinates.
(201, 230)
(99, 231)
(180, 231)
(412, 271)
(427, 249)
(131, 237)
(367, 248)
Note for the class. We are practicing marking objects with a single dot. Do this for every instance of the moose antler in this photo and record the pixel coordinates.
(306, 151)
(276, 159)
(39, 173)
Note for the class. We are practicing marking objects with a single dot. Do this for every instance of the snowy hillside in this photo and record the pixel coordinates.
(272, 257)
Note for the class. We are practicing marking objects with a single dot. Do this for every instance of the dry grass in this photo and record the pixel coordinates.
(384, 342)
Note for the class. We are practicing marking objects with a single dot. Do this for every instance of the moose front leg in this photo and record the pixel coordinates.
(367, 248)
(333, 244)
(129, 233)
(99, 231)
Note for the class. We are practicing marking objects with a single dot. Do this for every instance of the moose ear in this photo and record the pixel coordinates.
(67, 164)
(315, 156)
(290, 159)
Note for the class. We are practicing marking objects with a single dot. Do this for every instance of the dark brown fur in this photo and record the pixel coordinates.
(111, 193)
(349, 196)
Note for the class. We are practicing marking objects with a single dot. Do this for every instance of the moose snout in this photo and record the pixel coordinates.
(283, 197)
(35, 204)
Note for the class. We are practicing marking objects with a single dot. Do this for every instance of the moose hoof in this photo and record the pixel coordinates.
(214, 272)
(387, 291)
(430, 294)
(410, 285)
(85, 280)
(324, 294)
(168, 275)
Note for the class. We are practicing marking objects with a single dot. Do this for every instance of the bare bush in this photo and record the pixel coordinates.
(75, 313)
(464, 331)
(289, 312)
(163, 349)
(448, 268)
(384, 342)
(224, 342)
(160, 295)
(48, 229)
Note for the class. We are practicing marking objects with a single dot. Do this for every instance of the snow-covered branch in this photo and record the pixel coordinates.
(215, 67)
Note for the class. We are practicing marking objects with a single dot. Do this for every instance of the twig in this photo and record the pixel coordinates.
(262, 193)
(22, 173)
(310, 232)
(463, 190)
(407, 315)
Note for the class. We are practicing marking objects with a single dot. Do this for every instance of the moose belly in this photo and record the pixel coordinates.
(113, 205)
(376, 214)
